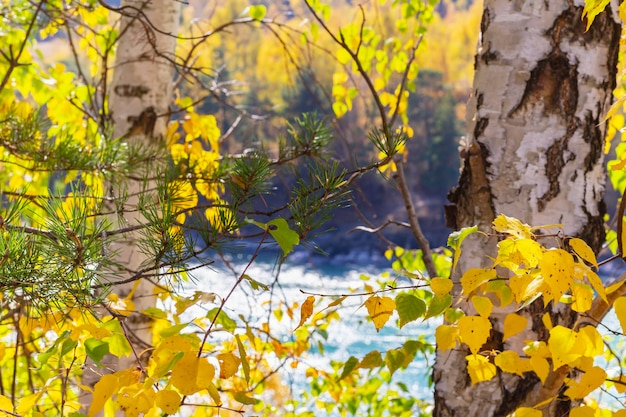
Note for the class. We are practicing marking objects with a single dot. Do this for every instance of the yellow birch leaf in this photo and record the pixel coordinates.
(557, 269)
(620, 312)
(583, 296)
(6, 405)
(583, 250)
(513, 324)
(540, 367)
(380, 309)
(229, 363)
(479, 368)
(527, 412)
(440, 286)
(589, 381)
(446, 337)
(27, 403)
(206, 373)
(613, 287)
(547, 321)
(184, 374)
(103, 390)
(622, 412)
(512, 226)
(583, 411)
(483, 305)
(509, 361)
(596, 283)
(474, 331)
(306, 310)
(475, 277)
(564, 346)
(215, 394)
(594, 345)
(525, 286)
(168, 401)
(620, 384)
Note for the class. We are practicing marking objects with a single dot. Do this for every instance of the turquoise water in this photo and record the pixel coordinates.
(353, 335)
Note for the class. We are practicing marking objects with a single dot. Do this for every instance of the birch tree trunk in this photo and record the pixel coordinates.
(140, 95)
(139, 99)
(534, 151)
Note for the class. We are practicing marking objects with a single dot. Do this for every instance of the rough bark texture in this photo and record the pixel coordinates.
(534, 151)
(141, 91)
(139, 97)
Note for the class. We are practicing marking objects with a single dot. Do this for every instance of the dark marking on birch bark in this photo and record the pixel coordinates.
(127, 90)
(472, 198)
(553, 84)
(555, 161)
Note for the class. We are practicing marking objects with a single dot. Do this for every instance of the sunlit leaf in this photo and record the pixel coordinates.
(620, 311)
(509, 361)
(257, 12)
(441, 286)
(245, 366)
(456, 239)
(394, 359)
(103, 390)
(349, 366)
(512, 226)
(28, 402)
(446, 337)
(583, 411)
(168, 401)
(540, 367)
(483, 305)
(284, 236)
(480, 369)
(380, 309)
(475, 277)
(589, 381)
(557, 269)
(527, 412)
(583, 250)
(306, 310)
(513, 324)
(409, 308)
(563, 346)
(243, 398)
(373, 359)
(474, 331)
(96, 349)
(229, 364)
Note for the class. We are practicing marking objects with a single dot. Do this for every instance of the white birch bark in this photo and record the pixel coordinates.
(534, 151)
(141, 90)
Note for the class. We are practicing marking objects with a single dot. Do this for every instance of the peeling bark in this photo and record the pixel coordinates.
(534, 151)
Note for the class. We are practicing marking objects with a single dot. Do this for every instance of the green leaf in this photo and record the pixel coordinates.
(372, 360)
(438, 305)
(349, 366)
(255, 284)
(409, 308)
(244, 399)
(456, 239)
(96, 349)
(172, 330)
(244, 359)
(286, 238)
(394, 360)
(68, 345)
(222, 319)
(257, 12)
